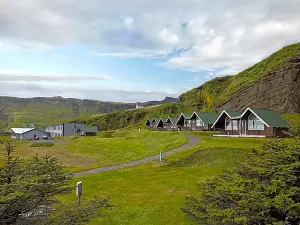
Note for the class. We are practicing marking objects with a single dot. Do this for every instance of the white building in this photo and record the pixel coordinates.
(27, 133)
(139, 106)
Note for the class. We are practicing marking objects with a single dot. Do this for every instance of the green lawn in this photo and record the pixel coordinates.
(125, 145)
(155, 192)
(109, 148)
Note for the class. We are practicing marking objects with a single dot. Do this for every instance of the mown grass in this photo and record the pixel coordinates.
(155, 192)
(125, 145)
(80, 153)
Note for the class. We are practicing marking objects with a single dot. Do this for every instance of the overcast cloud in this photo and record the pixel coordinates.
(221, 37)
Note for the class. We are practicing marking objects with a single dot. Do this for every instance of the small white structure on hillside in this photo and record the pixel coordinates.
(139, 106)
(27, 133)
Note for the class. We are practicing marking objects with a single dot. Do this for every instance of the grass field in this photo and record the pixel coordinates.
(155, 192)
(109, 148)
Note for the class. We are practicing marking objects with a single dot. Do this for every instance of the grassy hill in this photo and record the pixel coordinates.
(208, 96)
(40, 111)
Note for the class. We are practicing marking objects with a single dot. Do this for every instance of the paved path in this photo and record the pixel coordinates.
(192, 140)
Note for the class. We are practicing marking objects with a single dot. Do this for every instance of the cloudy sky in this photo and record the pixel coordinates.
(135, 50)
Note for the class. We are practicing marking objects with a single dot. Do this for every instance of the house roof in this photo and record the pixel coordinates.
(173, 120)
(156, 119)
(187, 115)
(269, 117)
(207, 118)
(231, 114)
(21, 130)
(89, 129)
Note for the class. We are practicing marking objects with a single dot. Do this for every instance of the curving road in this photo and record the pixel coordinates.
(192, 140)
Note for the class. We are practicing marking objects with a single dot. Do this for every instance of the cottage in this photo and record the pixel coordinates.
(252, 123)
(171, 123)
(27, 133)
(202, 120)
(162, 123)
(184, 122)
(152, 122)
(67, 129)
(227, 122)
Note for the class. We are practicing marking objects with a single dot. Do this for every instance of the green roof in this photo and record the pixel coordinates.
(173, 120)
(186, 115)
(273, 119)
(233, 113)
(207, 118)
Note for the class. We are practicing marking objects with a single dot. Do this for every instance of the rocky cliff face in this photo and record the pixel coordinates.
(278, 91)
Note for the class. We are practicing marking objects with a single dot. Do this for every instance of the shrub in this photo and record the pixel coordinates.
(42, 144)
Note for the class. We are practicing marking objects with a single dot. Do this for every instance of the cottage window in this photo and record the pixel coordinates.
(254, 123)
(231, 124)
(199, 123)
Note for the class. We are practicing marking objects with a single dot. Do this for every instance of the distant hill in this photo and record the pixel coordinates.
(273, 83)
(42, 111)
(166, 100)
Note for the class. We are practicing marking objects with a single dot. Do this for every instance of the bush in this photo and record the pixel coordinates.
(42, 144)
(265, 190)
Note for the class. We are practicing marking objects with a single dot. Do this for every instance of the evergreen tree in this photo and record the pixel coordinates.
(266, 190)
(27, 191)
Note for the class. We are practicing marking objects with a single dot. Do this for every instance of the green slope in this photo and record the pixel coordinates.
(221, 89)
(204, 98)
(20, 112)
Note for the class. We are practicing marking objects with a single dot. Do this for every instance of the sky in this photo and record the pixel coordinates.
(135, 50)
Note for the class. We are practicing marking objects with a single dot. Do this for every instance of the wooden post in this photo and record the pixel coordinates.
(160, 157)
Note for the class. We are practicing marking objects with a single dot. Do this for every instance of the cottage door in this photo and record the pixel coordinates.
(243, 127)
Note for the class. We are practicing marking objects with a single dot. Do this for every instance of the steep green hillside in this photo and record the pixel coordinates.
(221, 89)
(42, 111)
(209, 95)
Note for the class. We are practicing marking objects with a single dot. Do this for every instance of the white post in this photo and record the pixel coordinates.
(79, 191)
(160, 157)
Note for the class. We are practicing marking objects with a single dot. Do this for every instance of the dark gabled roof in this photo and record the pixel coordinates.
(173, 120)
(271, 118)
(229, 113)
(207, 118)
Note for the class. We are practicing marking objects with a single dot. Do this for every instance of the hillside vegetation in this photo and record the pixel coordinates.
(206, 97)
(20, 112)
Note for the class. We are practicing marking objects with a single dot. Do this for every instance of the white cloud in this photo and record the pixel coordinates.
(75, 90)
(230, 34)
(39, 77)
(131, 55)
